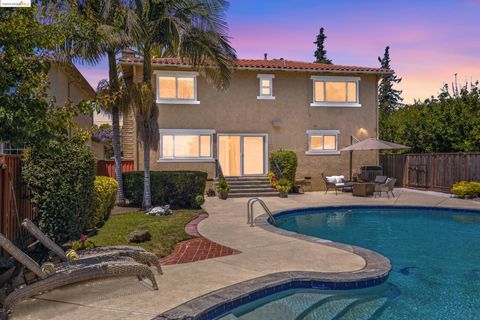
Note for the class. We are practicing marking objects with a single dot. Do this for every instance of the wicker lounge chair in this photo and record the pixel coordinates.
(138, 254)
(386, 187)
(69, 273)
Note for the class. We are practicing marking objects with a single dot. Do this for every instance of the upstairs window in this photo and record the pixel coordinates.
(335, 91)
(176, 87)
(322, 142)
(266, 86)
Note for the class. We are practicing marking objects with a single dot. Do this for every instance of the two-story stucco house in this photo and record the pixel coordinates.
(312, 109)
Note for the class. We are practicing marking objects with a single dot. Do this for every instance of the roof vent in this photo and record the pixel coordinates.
(265, 56)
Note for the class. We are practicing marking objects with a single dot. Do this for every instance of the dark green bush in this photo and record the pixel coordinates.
(176, 188)
(286, 160)
(61, 177)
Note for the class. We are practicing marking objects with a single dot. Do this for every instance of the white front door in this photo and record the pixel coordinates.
(242, 154)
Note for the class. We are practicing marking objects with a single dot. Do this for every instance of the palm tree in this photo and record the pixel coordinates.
(194, 30)
(108, 28)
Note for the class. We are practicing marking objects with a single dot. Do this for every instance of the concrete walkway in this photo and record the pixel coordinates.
(262, 252)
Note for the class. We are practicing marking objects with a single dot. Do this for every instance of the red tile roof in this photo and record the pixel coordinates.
(273, 64)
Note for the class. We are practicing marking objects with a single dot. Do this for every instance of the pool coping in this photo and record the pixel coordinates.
(218, 302)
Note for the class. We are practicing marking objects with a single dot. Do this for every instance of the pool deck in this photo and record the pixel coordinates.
(262, 253)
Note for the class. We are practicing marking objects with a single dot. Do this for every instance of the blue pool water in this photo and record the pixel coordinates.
(435, 256)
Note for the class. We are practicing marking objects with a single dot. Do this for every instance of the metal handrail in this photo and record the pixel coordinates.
(218, 170)
(250, 204)
(276, 169)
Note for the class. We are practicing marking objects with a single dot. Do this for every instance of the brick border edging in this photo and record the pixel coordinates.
(215, 303)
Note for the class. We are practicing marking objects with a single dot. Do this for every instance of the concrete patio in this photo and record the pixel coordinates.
(262, 252)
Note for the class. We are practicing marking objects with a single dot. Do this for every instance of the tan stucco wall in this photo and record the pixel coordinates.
(63, 87)
(237, 110)
(66, 86)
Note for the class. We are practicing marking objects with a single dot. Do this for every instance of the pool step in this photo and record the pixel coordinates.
(364, 309)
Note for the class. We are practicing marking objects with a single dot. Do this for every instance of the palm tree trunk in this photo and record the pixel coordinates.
(117, 152)
(147, 76)
(147, 196)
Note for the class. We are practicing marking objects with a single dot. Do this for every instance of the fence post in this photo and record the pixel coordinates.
(434, 171)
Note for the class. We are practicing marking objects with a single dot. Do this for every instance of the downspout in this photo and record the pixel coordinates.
(377, 129)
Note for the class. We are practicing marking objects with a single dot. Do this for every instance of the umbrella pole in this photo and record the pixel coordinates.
(351, 158)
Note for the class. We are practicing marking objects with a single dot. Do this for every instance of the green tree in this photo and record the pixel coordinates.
(446, 123)
(321, 53)
(108, 27)
(388, 97)
(27, 114)
(194, 30)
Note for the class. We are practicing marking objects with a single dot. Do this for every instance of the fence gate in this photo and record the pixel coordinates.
(14, 198)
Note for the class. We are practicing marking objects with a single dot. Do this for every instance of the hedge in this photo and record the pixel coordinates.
(106, 194)
(175, 188)
(466, 189)
(287, 162)
(61, 178)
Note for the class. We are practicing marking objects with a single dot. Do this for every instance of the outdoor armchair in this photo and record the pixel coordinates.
(138, 254)
(68, 273)
(386, 187)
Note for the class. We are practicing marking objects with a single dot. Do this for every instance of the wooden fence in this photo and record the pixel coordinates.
(107, 167)
(432, 171)
(14, 198)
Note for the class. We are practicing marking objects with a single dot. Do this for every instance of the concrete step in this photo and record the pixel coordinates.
(250, 195)
(252, 190)
(248, 183)
(247, 178)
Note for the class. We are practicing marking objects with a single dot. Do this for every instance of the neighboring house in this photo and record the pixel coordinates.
(101, 117)
(312, 109)
(67, 83)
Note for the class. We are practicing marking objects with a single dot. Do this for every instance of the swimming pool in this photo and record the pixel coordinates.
(435, 255)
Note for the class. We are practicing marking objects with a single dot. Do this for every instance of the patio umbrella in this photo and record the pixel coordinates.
(371, 144)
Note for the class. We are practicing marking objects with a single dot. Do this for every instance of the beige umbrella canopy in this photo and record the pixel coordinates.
(371, 144)
(374, 144)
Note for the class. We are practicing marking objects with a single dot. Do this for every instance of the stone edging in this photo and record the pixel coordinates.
(218, 302)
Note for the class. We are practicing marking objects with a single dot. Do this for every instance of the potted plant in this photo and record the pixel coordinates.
(283, 186)
(223, 189)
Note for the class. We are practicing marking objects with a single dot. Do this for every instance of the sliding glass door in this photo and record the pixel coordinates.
(241, 155)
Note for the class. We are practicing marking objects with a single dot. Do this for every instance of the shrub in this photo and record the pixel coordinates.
(223, 186)
(465, 189)
(200, 199)
(287, 163)
(176, 188)
(106, 193)
(61, 178)
(283, 184)
(272, 177)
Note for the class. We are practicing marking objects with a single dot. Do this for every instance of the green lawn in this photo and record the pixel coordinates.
(166, 231)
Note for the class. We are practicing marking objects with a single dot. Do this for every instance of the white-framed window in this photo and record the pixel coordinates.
(186, 144)
(177, 87)
(335, 91)
(266, 86)
(322, 142)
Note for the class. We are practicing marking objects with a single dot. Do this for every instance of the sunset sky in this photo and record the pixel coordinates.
(430, 40)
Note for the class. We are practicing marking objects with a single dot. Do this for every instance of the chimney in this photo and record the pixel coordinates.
(265, 56)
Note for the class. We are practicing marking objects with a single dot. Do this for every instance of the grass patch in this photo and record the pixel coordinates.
(166, 231)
